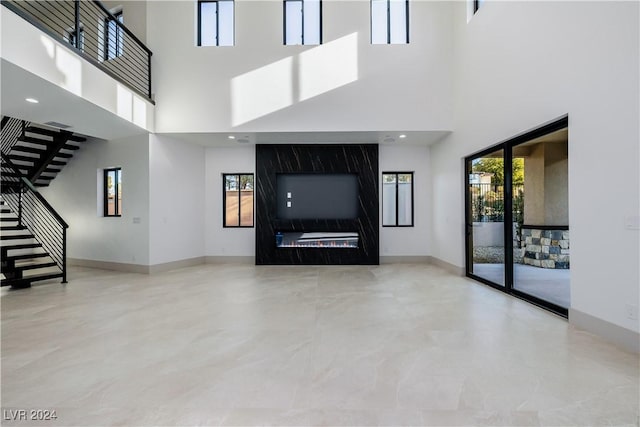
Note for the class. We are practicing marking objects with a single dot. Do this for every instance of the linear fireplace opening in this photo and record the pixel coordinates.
(331, 240)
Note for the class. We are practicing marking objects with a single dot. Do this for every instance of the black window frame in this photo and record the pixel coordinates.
(388, 22)
(116, 184)
(119, 35)
(476, 6)
(70, 37)
(199, 41)
(397, 181)
(284, 23)
(224, 200)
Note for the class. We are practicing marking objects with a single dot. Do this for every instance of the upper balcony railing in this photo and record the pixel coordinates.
(96, 34)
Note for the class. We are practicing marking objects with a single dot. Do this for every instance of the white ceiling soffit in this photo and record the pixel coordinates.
(56, 104)
(230, 139)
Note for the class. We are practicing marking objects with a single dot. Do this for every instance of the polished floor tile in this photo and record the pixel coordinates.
(234, 345)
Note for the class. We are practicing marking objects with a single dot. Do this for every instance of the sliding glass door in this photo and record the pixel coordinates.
(485, 216)
(517, 217)
(540, 170)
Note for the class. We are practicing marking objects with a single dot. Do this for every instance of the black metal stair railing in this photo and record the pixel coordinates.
(94, 33)
(36, 214)
(11, 130)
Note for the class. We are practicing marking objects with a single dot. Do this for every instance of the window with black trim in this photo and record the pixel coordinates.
(397, 199)
(389, 21)
(113, 36)
(237, 195)
(113, 192)
(71, 37)
(302, 22)
(215, 23)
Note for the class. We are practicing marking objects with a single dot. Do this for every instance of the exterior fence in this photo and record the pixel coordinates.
(487, 202)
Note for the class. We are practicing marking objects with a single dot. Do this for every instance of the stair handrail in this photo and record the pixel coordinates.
(40, 233)
(11, 131)
(25, 182)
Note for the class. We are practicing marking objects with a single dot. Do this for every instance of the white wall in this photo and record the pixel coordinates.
(220, 241)
(134, 14)
(416, 240)
(27, 47)
(76, 193)
(177, 200)
(521, 64)
(346, 84)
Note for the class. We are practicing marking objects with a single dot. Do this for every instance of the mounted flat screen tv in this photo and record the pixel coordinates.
(317, 196)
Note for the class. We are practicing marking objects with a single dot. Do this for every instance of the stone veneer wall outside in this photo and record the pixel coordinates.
(545, 248)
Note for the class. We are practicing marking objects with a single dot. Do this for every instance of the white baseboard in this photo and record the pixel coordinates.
(451, 268)
(617, 335)
(107, 265)
(173, 265)
(230, 260)
(404, 259)
(136, 268)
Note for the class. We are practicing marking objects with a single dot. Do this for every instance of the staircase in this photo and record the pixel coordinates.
(33, 235)
(37, 151)
(23, 258)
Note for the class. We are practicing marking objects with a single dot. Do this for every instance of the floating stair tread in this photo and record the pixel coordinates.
(35, 266)
(21, 246)
(26, 256)
(8, 219)
(5, 210)
(25, 149)
(21, 158)
(57, 163)
(27, 280)
(32, 140)
(11, 227)
(64, 155)
(47, 132)
(16, 236)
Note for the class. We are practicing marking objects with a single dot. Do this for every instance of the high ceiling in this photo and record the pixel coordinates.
(58, 105)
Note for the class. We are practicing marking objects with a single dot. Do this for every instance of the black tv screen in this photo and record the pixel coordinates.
(317, 196)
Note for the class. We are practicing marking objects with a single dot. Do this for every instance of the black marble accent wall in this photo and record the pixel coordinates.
(359, 159)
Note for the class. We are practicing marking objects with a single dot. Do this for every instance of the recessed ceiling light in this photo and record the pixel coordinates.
(402, 136)
(231, 137)
(32, 100)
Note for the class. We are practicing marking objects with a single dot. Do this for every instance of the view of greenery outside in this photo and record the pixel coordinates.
(487, 203)
(488, 199)
(495, 166)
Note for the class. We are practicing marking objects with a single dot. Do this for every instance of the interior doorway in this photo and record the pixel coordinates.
(517, 216)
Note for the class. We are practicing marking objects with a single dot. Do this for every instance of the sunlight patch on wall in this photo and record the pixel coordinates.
(124, 103)
(49, 46)
(328, 67)
(131, 107)
(139, 112)
(68, 65)
(262, 91)
(296, 78)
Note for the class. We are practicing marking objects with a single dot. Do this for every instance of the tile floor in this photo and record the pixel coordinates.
(550, 285)
(404, 344)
